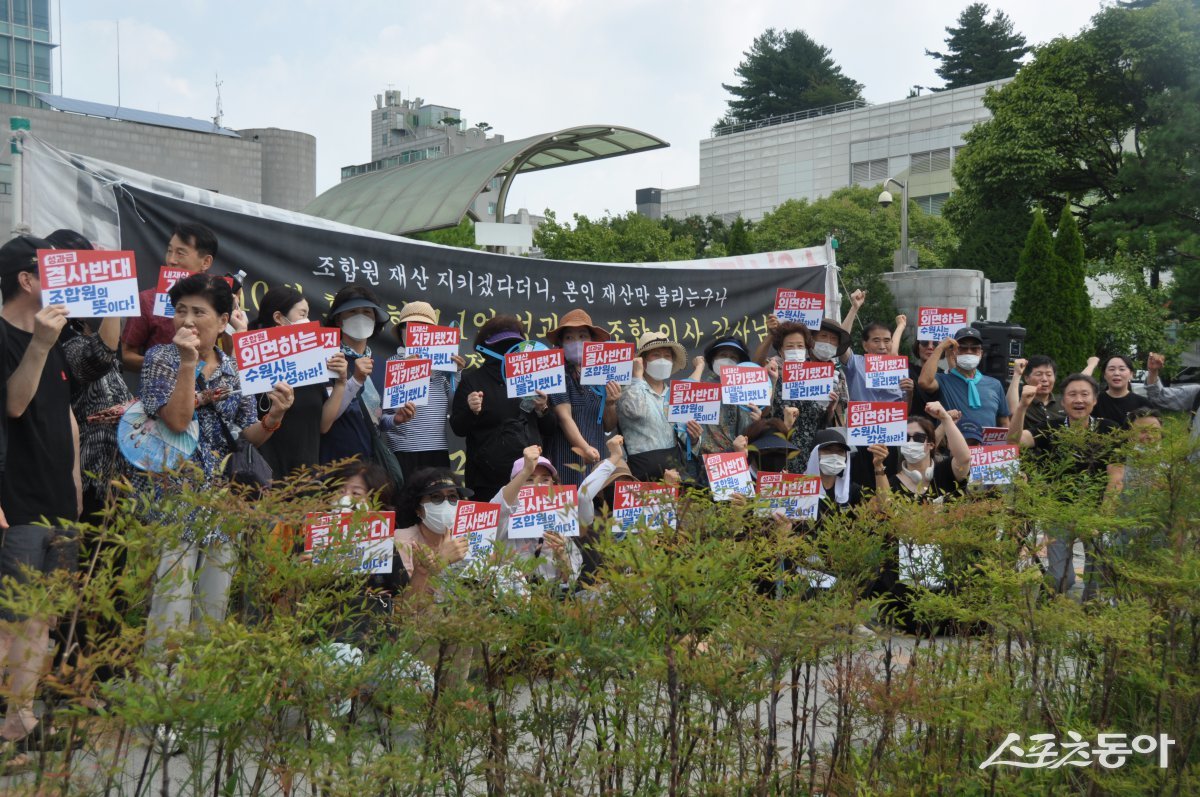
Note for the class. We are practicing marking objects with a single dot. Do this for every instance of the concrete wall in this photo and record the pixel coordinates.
(289, 166)
(943, 287)
(227, 164)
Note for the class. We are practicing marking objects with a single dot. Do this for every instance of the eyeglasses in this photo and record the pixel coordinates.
(927, 344)
(918, 437)
(442, 499)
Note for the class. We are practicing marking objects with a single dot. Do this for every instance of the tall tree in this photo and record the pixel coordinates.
(979, 50)
(992, 242)
(1107, 118)
(1045, 304)
(784, 72)
(1076, 317)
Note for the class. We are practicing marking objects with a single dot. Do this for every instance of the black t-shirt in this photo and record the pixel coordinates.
(942, 485)
(1117, 409)
(828, 503)
(297, 442)
(39, 478)
(1076, 458)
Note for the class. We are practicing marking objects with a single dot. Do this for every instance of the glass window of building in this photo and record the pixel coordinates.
(5, 57)
(41, 14)
(21, 57)
(41, 62)
(20, 12)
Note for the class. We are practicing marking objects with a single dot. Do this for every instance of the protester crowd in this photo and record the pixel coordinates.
(66, 387)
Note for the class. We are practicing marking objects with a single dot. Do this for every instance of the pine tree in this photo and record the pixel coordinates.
(1076, 315)
(738, 242)
(978, 50)
(1045, 305)
(784, 72)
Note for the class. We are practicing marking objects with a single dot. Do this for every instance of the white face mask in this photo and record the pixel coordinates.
(824, 351)
(912, 451)
(794, 355)
(573, 351)
(350, 503)
(439, 518)
(832, 464)
(968, 362)
(660, 369)
(358, 327)
(722, 362)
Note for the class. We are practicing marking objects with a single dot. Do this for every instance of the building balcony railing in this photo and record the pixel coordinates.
(771, 121)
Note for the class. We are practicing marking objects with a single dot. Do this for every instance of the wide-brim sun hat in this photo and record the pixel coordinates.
(420, 312)
(829, 325)
(415, 312)
(577, 319)
(656, 340)
(726, 342)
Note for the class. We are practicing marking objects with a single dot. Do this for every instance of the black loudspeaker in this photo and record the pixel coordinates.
(1002, 344)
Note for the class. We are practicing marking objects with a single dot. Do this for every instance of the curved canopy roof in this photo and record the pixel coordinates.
(437, 193)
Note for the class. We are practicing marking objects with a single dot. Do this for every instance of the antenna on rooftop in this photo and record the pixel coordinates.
(220, 112)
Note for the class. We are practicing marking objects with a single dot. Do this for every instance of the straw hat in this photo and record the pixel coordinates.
(417, 312)
(656, 340)
(421, 312)
(577, 319)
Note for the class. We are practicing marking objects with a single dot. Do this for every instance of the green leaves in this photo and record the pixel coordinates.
(979, 50)
(784, 72)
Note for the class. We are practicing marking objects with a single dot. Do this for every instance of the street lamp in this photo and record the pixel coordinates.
(885, 199)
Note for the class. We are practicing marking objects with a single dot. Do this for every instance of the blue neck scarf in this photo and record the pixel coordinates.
(973, 400)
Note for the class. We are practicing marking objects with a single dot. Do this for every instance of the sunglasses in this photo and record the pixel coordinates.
(918, 437)
(441, 499)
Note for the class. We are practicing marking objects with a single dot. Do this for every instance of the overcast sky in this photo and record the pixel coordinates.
(525, 67)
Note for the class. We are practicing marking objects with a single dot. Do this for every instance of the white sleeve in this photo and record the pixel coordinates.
(590, 488)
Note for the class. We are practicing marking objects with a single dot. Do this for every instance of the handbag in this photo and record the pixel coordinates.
(149, 445)
(381, 454)
(245, 464)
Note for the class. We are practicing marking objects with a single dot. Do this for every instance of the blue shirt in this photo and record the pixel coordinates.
(856, 381)
(991, 395)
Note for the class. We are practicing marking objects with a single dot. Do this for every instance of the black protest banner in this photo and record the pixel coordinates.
(691, 304)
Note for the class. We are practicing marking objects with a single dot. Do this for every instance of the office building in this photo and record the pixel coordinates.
(25, 51)
(750, 169)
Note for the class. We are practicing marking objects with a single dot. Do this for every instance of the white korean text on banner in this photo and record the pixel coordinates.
(528, 372)
(650, 505)
(694, 401)
(544, 510)
(436, 344)
(793, 494)
(801, 307)
(478, 521)
(606, 362)
(89, 283)
(992, 465)
(745, 384)
(876, 422)
(808, 381)
(167, 277)
(936, 323)
(728, 474)
(362, 540)
(405, 382)
(295, 354)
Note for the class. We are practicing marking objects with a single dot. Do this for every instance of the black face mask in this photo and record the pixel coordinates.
(771, 462)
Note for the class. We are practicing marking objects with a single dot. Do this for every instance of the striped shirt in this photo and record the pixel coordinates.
(427, 429)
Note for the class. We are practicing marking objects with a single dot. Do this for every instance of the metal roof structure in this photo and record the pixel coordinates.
(118, 113)
(433, 194)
